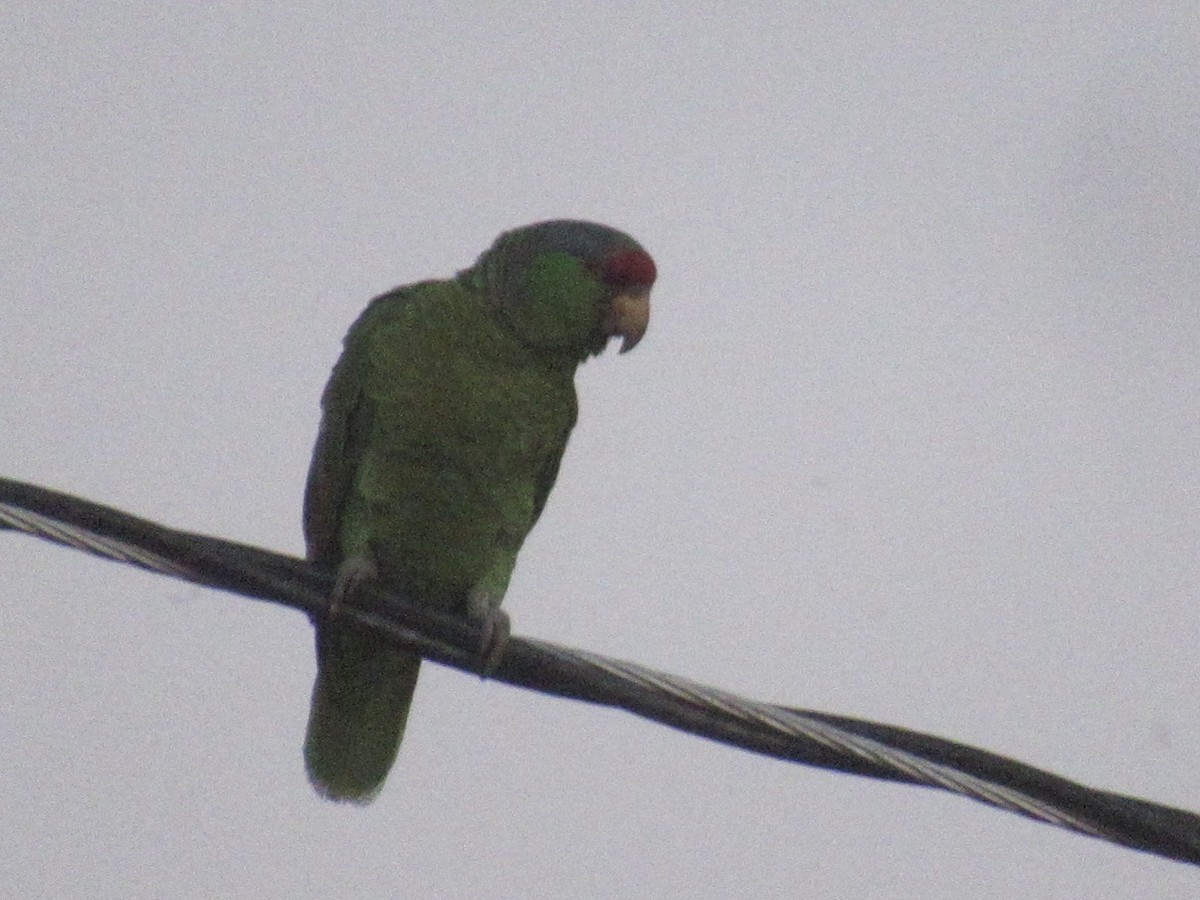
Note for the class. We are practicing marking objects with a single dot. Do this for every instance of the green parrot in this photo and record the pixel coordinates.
(443, 426)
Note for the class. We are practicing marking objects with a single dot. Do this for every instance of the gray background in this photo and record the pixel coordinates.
(912, 436)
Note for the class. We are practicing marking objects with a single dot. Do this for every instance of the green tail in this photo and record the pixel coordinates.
(360, 703)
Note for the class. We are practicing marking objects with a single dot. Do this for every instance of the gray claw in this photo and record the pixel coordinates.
(351, 574)
(496, 629)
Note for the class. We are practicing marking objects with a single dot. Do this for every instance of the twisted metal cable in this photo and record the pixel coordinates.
(840, 743)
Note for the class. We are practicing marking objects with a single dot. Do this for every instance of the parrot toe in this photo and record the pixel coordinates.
(496, 629)
(351, 574)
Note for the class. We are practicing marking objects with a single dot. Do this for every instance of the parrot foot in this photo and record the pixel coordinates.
(483, 606)
(496, 629)
(351, 574)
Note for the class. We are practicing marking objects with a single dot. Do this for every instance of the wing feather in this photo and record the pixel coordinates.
(346, 417)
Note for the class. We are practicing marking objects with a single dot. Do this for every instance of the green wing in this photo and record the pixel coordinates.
(364, 685)
(345, 426)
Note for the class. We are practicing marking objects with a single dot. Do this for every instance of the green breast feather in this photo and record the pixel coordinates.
(464, 425)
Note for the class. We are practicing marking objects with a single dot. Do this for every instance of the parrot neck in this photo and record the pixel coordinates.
(484, 280)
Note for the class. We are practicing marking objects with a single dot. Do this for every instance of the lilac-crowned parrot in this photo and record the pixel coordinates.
(443, 426)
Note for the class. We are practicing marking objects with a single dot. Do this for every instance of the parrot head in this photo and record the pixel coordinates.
(565, 287)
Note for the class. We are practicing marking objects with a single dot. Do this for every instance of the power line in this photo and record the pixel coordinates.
(820, 739)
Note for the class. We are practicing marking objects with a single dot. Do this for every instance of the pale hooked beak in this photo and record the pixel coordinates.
(627, 316)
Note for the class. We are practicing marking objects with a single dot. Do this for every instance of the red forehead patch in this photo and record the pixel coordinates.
(629, 267)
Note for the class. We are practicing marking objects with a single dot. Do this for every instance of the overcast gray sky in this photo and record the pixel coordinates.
(912, 436)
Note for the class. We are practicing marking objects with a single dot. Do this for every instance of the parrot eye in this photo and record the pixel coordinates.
(626, 268)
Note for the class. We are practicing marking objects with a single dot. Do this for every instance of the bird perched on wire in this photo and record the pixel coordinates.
(443, 426)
